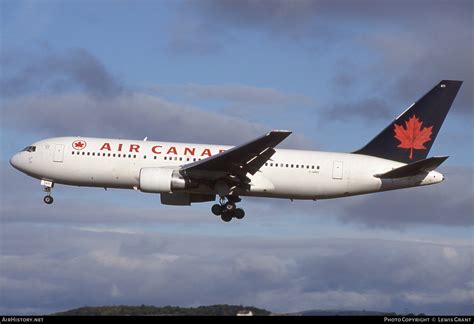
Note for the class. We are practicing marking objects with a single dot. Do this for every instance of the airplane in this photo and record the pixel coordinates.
(184, 173)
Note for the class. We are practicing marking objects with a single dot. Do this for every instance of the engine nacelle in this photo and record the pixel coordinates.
(161, 180)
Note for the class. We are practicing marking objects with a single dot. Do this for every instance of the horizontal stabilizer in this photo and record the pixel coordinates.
(421, 166)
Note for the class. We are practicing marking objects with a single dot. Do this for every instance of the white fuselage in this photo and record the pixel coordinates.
(293, 174)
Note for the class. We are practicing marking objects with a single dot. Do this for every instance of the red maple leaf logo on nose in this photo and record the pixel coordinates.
(413, 135)
(79, 145)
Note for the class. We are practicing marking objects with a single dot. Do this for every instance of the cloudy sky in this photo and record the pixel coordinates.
(334, 72)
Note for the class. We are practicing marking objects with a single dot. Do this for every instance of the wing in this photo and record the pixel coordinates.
(235, 163)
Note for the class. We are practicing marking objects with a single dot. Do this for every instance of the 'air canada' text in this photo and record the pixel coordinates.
(160, 149)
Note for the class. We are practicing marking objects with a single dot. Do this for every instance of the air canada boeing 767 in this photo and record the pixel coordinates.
(185, 173)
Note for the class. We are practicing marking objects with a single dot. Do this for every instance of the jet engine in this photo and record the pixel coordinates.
(162, 180)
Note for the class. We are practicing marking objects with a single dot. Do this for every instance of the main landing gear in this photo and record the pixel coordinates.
(47, 186)
(227, 209)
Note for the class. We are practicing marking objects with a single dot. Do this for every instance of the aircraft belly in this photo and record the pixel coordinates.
(283, 185)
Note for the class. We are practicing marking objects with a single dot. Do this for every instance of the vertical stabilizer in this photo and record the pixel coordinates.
(409, 138)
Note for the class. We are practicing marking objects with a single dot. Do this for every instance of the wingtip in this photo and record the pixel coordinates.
(452, 82)
(281, 131)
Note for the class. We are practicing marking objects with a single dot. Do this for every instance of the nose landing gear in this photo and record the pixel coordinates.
(227, 209)
(47, 186)
(48, 200)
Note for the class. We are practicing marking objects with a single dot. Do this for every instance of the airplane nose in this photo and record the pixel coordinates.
(14, 161)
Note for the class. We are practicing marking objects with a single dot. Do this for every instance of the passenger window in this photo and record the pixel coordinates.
(187, 159)
(119, 155)
(194, 159)
(144, 156)
(108, 154)
(292, 165)
(271, 164)
(113, 155)
(281, 165)
(83, 153)
(307, 167)
(93, 153)
(72, 152)
(155, 157)
(287, 165)
(134, 156)
(312, 167)
(181, 159)
(317, 167)
(88, 153)
(297, 166)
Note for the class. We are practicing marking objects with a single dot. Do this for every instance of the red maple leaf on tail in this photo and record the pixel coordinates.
(412, 135)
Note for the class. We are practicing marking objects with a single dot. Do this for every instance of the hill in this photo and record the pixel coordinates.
(143, 310)
(343, 313)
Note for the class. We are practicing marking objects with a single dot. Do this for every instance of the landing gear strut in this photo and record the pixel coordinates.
(227, 209)
(47, 186)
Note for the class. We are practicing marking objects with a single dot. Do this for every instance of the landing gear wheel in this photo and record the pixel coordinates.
(216, 209)
(239, 213)
(48, 200)
(226, 217)
(229, 207)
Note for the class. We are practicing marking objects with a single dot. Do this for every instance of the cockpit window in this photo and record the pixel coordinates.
(30, 148)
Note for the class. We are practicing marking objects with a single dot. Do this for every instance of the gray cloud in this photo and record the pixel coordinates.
(449, 203)
(426, 55)
(213, 23)
(131, 115)
(368, 109)
(50, 72)
(276, 14)
(344, 80)
(42, 88)
(239, 94)
(46, 268)
(432, 39)
(287, 16)
(190, 37)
